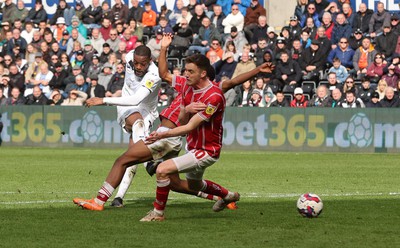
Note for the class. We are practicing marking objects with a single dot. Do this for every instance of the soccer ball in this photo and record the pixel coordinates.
(92, 127)
(309, 205)
(359, 130)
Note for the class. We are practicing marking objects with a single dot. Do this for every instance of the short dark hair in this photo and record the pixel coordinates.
(143, 50)
(199, 60)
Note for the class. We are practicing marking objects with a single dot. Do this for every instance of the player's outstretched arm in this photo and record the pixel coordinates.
(165, 75)
(229, 84)
(193, 123)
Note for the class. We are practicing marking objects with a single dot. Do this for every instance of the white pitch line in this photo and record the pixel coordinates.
(181, 196)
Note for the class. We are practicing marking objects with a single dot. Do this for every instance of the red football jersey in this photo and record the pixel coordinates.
(208, 136)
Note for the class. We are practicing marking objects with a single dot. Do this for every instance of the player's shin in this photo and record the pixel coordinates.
(126, 181)
(162, 191)
(104, 193)
(212, 188)
(208, 196)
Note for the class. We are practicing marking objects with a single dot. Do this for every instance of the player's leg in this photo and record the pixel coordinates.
(135, 124)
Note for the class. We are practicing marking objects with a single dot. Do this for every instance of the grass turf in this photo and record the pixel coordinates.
(360, 194)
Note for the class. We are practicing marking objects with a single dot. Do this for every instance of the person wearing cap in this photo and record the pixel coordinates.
(77, 24)
(37, 14)
(312, 61)
(70, 80)
(394, 22)
(280, 46)
(207, 33)
(294, 27)
(379, 19)
(155, 44)
(34, 68)
(106, 53)
(64, 41)
(91, 16)
(387, 42)
(238, 38)
(374, 101)
(95, 66)
(362, 18)
(299, 100)
(59, 28)
(8, 9)
(105, 75)
(57, 82)
(255, 98)
(234, 19)
(355, 40)
(95, 89)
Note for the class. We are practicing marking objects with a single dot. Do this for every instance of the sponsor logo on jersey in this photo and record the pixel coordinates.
(149, 84)
(210, 109)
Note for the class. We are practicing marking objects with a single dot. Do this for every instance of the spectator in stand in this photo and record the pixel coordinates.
(287, 72)
(148, 19)
(390, 76)
(17, 41)
(255, 98)
(379, 19)
(119, 12)
(63, 43)
(105, 75)
(339, 70)
(362, 18)
(269, 98)
(76, 24)
(374, 101)
(63, 10)
(113, 41)
(136, 29)
(27, 33)
(355, 41)
(55, 98)
(311, 28)
(296, 51)
(96, 90)
(382, 85)
(230, 47)
(129, 39)
(348, 13)
(253, 12)
(312, 61)
(105, 29)
(215, 47)
(328, 25)
(64, 59)
(344, 53)
(271, 37)
(14, 99)
(305, 39)
(365, 91)
(333, 83)
(281, 100)
(342, 29)
(238, 39)
(95, 67)
(321, 99)
(106, 53)
(311, 12)
(57, 82)
(207, 33)
(5, 85)
(136, 11)
(387, 42)
(349, 85)
(299, 100)
(363, 57)
(352, 101)
(301, 8)
(75, 37)
(42, 80)
(261, 48)
(217, 17)
(225, 67)
(8, 10)
(16, 79)
(116, 83)
(79, 8)
(395, 65)
(34, 68)
(75, 98)
(294, 27)
(60, 27)
(182, 39)
(20, 12)
(337, 98)
(37, 14)
(91, 17)
(259, 31)
(390, 100)
(243, 94)
(36, 97)
(375, 70)
(96, 41)
(234, 19)
(155, 44)
(196, 22)
(394, 22)
(246, 63)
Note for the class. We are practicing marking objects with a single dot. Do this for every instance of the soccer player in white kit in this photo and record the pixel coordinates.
(137, 110)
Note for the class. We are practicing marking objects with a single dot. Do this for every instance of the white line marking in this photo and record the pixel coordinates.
(182, 196)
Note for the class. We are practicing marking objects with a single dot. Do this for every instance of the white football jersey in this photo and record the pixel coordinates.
(151, 81)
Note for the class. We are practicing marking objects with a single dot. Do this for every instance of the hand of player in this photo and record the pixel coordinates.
(195, 107)
(265, 67)
(94, 101)
(153, 137)
(166, 40)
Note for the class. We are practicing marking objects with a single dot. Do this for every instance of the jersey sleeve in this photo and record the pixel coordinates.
(215, 104)
(151, 81)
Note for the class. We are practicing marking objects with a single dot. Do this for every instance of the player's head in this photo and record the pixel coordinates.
(141, 60)
(196, 68)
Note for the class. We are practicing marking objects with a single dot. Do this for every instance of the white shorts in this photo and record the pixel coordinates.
(125, 111)
(166, 148)
(194, 163)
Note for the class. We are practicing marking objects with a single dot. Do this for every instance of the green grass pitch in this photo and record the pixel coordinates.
(361, 195)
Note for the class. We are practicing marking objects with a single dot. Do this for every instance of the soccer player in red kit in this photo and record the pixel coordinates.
(204, 139)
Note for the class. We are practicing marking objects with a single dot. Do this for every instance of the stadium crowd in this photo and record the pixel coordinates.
(328, 55)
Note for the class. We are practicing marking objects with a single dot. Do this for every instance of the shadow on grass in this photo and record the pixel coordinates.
(276, 223)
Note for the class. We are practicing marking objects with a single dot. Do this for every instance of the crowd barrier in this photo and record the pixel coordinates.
(256, 129)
